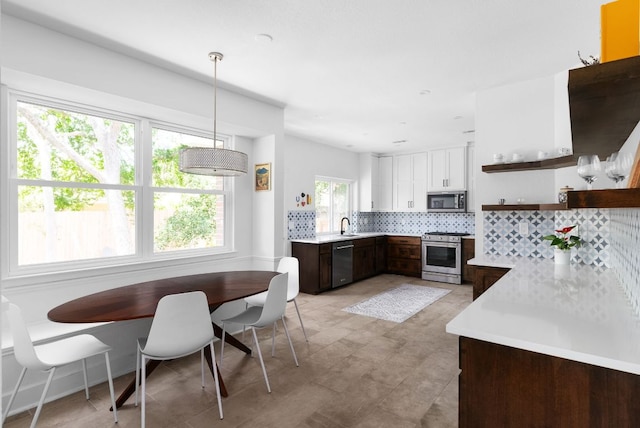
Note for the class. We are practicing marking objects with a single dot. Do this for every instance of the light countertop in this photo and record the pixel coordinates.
(577, 312)
(322, 239)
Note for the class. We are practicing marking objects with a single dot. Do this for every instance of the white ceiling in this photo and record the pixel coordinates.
(357, 74)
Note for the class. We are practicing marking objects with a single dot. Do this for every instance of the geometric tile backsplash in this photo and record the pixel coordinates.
(625, 251)
(502, 233)
(301, 224)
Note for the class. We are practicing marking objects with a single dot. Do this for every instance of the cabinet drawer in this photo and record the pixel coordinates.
(365, 242)
(408, 267)
(404, 240)
(404, 251)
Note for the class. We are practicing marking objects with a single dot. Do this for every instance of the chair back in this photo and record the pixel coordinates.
(23, 348)
(181, 325)
(276, 301)
(292, 267)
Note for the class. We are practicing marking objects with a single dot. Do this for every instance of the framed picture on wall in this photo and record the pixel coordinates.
(263, 176)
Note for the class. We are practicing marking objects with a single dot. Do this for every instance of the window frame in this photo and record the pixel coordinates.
(144, 255)
(332, 180)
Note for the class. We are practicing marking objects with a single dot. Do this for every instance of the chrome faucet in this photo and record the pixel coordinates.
(342, 224)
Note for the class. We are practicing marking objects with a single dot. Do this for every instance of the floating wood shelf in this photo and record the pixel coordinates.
(607, 198)
(525, 207)
(553, 163)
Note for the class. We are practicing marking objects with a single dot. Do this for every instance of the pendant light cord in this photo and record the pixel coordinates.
(215, 96)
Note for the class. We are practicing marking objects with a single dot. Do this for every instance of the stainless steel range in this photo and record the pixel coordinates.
(442, 256)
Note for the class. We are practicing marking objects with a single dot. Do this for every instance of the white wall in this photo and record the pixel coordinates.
(516, 118)
(306, 159)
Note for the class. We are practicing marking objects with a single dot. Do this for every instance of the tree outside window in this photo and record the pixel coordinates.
(333, 202)
(80, 190)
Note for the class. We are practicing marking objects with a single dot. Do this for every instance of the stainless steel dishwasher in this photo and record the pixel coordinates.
(342, 264)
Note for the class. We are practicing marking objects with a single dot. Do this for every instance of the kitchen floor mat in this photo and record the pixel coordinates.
(398, 304)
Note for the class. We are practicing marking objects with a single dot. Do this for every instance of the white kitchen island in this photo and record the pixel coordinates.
(549, 345)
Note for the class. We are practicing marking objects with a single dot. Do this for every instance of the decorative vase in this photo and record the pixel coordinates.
(562, 257)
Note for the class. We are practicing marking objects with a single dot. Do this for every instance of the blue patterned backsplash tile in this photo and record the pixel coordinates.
(417, 223)
(301, 224)
(625, 254)
(502, 233)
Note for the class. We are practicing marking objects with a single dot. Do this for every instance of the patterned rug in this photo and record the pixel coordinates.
(398, 304)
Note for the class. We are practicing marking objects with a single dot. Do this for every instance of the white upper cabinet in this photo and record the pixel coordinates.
(447, 169)
(410, 182)
(375, 183)
(385, 183)
(368, 182)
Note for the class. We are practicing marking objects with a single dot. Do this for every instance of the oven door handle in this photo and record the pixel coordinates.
(441, 244)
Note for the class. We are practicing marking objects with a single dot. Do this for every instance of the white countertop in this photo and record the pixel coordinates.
(322, 239)
(577, 312)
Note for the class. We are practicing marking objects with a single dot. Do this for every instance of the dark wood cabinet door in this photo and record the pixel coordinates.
(468, 252)
(501, 386)
(325, 267)
(315, 266)
(404, 255)
(364, 258)
(381, 254)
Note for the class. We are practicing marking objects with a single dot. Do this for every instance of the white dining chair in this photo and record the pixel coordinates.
(181, 326)
(264, 316)
(292, 267)
(49, 356)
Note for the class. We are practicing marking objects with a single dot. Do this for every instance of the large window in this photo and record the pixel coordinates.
(333, 202)
(79, 195)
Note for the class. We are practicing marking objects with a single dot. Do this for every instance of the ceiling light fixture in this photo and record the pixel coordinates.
(263, 38)
(213, 161)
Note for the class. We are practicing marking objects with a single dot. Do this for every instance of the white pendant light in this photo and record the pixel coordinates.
(212, 160)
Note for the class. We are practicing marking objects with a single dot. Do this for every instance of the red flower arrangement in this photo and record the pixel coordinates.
(564, 241)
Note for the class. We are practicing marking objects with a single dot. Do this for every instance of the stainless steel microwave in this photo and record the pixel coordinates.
(447, 202)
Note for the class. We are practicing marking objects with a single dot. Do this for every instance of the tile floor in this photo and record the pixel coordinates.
(355, 371)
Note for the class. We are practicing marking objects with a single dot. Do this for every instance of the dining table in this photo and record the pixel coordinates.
(140, 300)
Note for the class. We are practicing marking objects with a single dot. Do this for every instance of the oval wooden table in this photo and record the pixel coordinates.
(140, 301)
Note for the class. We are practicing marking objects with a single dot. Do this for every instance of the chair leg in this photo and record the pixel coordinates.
(113, 396)
(44, 394)
(273, 341)
(224, 333)
(300, 318)
(144, 391)
(286, 330)
(137, 372)
(264, 371)
(13, 395)
(86, 381)
(215, 378)
(202, 365)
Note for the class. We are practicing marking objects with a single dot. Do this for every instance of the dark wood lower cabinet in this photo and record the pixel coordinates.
(404, 255)
(364, 258)
(381, 254)
(371, 256)
(468, 252)
(500, 386)
(485, 277)
(315, 266)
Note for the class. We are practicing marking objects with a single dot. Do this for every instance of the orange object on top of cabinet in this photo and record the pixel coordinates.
(620, 30)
